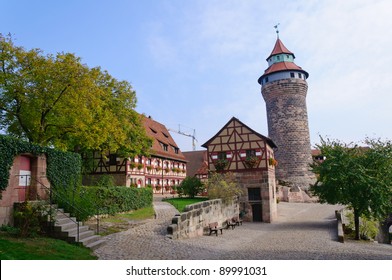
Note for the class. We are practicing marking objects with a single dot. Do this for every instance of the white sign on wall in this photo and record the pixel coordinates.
(24, 178)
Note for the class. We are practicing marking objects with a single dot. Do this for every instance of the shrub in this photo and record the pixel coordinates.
(191, 186)
(368, 229)
(224, 186)
(88, 201)
(30, 218)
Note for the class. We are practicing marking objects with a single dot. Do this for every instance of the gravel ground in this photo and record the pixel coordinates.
(303, 231)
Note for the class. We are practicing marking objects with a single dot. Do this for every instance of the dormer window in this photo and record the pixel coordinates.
(164, 146)
(153, 130)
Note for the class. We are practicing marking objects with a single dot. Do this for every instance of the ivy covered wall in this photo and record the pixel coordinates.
(63, 168)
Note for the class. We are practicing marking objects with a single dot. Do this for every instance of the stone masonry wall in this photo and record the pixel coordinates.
(194, 220)
(288, 128)
(265, 181)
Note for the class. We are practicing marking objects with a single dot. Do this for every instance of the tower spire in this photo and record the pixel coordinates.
(277, 30)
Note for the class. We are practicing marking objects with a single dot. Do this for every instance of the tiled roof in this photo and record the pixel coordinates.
(280, 48)
(197, 162)
(163, 144)
(282, 66)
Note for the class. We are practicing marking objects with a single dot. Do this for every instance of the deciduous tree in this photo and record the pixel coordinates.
(359, 177)
(55, 100)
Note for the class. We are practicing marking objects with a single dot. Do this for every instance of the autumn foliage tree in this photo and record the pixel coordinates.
(56, 100)
(359, 177)
(224, 186)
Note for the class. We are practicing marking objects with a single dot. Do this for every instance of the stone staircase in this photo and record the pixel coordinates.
(65, 227)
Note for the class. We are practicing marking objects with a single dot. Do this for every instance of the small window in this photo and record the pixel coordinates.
(300, 75)
(277, 57)
(254, 194)
(292, 75)
(250, 153)
(164, 146)
(113, 159)
(266, 79)
(222, 155)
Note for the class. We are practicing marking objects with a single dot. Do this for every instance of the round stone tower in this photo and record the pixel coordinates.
(284, 89)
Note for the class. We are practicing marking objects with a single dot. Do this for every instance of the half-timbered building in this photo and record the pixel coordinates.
(250, 156)
(164, 169)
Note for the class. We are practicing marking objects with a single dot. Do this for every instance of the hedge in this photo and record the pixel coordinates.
(88, 201)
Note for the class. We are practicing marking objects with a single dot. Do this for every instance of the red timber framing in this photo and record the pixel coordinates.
(164, 169)
(236, 147)
(249, 156)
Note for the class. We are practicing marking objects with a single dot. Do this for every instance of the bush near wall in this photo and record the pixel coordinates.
(63, 168)
(88, 201)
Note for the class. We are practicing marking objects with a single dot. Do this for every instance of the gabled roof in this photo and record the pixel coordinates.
(266, 139)
(161, 138)
(279, 48)
(197, 162)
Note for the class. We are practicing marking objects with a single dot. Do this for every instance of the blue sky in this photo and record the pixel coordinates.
(196, 63)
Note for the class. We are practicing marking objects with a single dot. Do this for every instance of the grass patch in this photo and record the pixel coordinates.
(180, 203)
(41, 248)
(122, 221)
(139, 214)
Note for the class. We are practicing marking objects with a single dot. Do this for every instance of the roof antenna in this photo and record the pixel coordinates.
(277, 30)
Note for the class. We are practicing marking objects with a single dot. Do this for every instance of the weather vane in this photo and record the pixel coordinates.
(277, 30)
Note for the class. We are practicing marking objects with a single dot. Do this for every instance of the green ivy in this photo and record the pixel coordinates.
(63, 168)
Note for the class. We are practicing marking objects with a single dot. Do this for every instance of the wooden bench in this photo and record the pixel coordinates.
(230, 223)
(213, 227)
(237, 221)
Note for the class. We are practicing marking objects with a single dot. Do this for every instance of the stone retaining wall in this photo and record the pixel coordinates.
(194, 220)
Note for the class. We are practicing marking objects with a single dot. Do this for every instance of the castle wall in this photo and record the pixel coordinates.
(194, 220)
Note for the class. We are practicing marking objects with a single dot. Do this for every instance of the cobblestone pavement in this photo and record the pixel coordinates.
(303, 231)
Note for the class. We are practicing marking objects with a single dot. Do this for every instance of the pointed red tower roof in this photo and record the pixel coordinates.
(280, 48)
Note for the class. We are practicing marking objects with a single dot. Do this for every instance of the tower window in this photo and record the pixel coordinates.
(292, 75)
(300, 75)
(266, 79)
(277, 57)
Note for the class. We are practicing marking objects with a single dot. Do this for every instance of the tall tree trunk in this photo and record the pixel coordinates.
(356, 221)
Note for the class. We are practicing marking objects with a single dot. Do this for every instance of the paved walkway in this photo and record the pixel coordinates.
(303, 231)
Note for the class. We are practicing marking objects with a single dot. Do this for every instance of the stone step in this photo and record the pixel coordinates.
(95, 244)
(66, 228)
